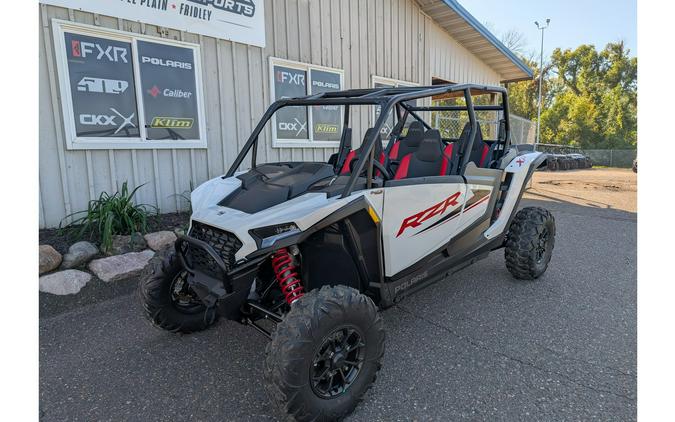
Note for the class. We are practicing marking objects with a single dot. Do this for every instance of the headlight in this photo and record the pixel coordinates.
(270, 234)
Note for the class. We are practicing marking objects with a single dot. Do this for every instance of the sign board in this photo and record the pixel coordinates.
(169, 91)
(101, 86)
(291, 122)
(305, 126)
(125, 90)
(326, 120)
(237, 20)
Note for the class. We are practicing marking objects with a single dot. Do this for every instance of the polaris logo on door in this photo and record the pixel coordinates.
(102, 86)
(86, 49)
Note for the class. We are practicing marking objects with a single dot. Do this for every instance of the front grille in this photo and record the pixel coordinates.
(224, 243)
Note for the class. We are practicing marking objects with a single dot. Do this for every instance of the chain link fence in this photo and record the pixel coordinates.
(523, 131)
(450, 124)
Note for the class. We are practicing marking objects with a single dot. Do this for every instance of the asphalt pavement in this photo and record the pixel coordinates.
(477, 346)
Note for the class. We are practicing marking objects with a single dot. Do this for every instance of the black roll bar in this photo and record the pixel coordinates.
(387, 99)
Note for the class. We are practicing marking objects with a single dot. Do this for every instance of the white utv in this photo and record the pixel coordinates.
(306, 252)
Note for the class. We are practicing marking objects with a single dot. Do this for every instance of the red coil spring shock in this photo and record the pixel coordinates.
(287, 276)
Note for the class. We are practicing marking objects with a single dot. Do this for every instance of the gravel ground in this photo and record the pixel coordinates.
(478, 346)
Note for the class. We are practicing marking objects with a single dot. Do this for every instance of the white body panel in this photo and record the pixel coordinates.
(416, 219)
(304, 211)
(519, 167)
(410, 213)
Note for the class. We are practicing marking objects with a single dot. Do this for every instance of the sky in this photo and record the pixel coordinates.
(573, 22)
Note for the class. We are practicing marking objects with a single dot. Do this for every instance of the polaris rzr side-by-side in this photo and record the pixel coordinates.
(306, 252)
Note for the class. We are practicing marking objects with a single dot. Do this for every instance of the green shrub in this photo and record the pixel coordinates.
(112, 215)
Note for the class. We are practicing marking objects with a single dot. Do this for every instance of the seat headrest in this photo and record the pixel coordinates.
(378, 145)
(414, 135)
(430, 147)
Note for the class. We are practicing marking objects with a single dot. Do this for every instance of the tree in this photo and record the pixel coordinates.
(596, 106)
(589, 97)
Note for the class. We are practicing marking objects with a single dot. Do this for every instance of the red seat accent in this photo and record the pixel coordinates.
(483, 156)
(447, 153)
(402, 170)
(345, 166)
(352, 155)
(393, 154)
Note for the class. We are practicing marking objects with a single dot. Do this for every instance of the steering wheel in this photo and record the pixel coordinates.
(385, 173)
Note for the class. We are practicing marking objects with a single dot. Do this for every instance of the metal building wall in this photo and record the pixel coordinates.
(388, 38)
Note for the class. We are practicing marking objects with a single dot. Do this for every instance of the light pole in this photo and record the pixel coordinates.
(541, 77)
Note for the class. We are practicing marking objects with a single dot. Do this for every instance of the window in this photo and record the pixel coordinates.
(319, 126)
(123, 90)
(380, 82)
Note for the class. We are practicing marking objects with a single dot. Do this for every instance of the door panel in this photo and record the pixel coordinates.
(418, 219)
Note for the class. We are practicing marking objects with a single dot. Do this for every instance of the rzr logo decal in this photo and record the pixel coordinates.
(416, 220)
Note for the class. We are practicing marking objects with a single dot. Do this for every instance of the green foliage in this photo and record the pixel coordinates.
(589, 97)
(112, 215)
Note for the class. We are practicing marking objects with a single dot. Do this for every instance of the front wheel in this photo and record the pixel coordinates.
(530, 243)
(169, 302)
(325, 354)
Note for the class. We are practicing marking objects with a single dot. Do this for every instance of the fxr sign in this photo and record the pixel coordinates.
(111, 53)
(290, 78)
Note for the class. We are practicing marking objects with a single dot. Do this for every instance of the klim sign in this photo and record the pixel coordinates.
(237, 20)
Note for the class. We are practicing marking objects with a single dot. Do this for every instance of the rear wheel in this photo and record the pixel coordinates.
(325, 354)
(530, 243)
(169, 302)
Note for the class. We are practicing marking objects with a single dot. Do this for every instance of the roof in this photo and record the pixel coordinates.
(473, 35)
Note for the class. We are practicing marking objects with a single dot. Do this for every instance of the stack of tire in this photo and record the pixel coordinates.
(561, 162)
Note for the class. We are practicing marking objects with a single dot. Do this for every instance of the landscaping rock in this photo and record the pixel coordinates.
(78, 254)
(127, 243)
(120, 267)
(49, 259)
(66, 282)
(160, 240)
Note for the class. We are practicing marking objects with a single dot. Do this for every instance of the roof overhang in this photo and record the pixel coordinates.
(476, 38)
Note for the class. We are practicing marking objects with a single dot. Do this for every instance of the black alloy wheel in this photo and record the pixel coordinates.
(337, 362)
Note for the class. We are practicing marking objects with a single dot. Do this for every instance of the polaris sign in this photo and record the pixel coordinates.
(237, 20)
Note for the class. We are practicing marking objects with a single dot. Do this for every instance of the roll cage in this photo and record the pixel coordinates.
(389, 99)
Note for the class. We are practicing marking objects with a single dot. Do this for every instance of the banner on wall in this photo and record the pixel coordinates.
(237, 20)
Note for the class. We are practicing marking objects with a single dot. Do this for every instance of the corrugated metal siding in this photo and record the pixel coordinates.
(393, 39)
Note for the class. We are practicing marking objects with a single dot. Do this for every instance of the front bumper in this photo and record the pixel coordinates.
(225, 288)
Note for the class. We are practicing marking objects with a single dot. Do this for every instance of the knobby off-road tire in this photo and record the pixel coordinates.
(530, 243)
(306, 334)
(163, 308)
